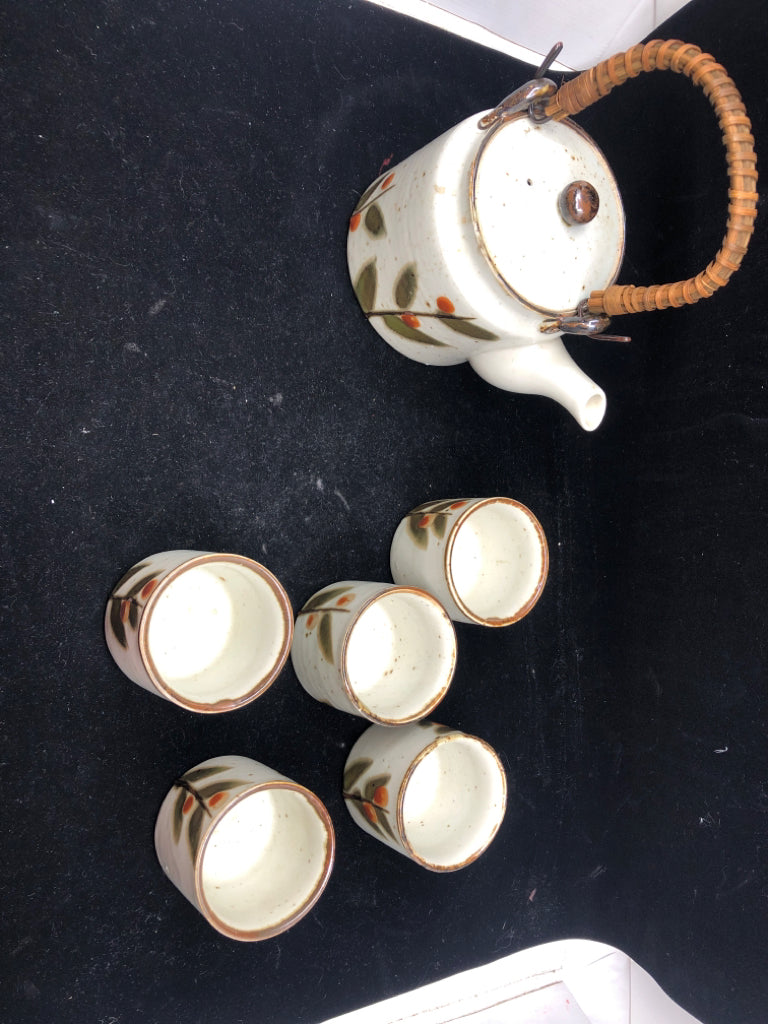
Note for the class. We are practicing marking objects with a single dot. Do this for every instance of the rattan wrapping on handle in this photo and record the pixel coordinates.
(735, 125)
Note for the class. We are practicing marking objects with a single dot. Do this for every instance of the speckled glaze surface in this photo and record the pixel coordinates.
(461, 253)
(384, 775)
(195, 807)
(134, 599)
(383, 652)
(485, 559)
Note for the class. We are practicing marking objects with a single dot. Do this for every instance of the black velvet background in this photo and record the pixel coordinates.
(184, 364)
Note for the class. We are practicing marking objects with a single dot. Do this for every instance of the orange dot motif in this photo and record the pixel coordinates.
(369, 812)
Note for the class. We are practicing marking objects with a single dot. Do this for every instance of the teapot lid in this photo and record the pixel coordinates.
(547, 212)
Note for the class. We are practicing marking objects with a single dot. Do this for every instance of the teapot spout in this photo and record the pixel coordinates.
(544, 369)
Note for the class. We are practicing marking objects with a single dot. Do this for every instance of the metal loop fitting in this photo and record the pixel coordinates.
(583, 322)
(530, 95)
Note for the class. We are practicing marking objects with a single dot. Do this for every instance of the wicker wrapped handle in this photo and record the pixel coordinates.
(703, 70)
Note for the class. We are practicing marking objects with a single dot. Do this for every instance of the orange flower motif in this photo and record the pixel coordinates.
(458, 504)
(387, 181)
(354, 222)
(217, 798)
(147, 589)
(188, 804)
(424, 521)
(381, 796)
(369, 812)
(125, 609)
(410, 320)
(344, 600)
(310, 621)
(445, 305)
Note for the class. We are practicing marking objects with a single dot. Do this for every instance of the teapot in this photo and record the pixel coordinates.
(506, 232)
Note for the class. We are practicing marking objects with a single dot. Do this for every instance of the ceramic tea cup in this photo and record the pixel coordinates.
(209, 632)
(249, 848)
(485, 559)
(430, 792)
(383, 652)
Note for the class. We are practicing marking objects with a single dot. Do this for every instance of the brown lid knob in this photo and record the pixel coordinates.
(579, 202)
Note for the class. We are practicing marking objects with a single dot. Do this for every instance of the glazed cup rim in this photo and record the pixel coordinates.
(462, 517)
(258, 934)
(263, 684)
(413, 765)
(433, 701)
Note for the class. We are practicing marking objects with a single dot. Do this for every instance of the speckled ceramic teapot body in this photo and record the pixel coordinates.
(508, 231)
(475, 246)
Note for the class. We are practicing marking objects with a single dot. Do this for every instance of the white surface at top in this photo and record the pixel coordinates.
(590, 30)
(574, 981)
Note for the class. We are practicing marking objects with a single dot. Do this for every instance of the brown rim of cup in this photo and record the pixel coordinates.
(447, 738)
(258, 934)
(529, 604)
(434, 701)
(263, 684)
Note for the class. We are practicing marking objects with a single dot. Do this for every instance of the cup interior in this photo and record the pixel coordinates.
(265, 862)
(218, 632)
(454, 802)
(400, 656)
(498, 562)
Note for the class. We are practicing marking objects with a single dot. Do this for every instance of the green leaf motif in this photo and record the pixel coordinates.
(374, 221)
(204, 773)
(129, 576)
(323, 598)
(405, 286)
(178, 817)
(418, 533)
(432, 506)
(383, 820)
(365, 286)
(357, 804)
(325, 636)
(435, 727)
(353, 772)
(469, 329)
(206, 792)
(116, 623)
(411, 333)
(195, 829)
(373, 784)
(368, 192)
(439, 524)
(138, 587)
